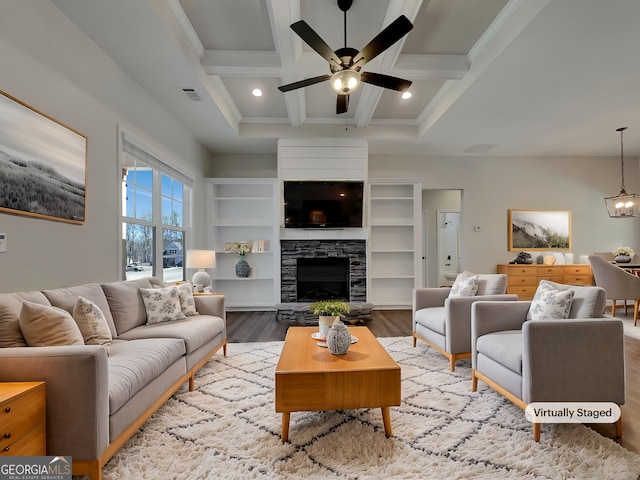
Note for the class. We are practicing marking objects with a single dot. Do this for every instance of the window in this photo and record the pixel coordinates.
(155, 215)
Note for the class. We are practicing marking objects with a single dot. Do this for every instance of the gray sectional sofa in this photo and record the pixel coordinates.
(98, 396)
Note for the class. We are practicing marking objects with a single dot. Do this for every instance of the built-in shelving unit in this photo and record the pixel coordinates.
(245, 209)
(394, 253)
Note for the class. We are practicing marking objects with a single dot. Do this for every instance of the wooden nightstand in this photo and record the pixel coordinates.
(22, 419)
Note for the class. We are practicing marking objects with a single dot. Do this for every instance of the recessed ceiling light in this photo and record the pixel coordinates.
(257, 92)
(406, 95)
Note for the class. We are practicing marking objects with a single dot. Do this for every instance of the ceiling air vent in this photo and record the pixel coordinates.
(192, 94)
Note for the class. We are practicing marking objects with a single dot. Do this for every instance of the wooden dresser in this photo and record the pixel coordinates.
(523, 279)
(22, 419)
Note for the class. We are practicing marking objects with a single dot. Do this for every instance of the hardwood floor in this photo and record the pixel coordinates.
(263, 327)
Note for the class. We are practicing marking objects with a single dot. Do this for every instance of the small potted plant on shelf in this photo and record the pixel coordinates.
(623, 254)
(328, 311)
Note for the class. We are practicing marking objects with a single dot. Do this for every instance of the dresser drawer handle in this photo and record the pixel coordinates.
(8, 409)
(5, 449)
(7, 435)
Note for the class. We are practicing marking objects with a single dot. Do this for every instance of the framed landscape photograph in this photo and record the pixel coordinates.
(43, 164)
(531, 230)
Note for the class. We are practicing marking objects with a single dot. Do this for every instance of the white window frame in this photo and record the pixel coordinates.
(162, 162)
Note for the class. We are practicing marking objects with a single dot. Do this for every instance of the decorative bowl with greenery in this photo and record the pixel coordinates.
(623, 251)
(329, 308)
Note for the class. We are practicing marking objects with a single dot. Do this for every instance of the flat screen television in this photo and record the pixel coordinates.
(323, 204)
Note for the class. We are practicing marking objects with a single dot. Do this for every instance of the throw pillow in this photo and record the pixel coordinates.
(466, 285)
(46, 326)
(550, 303)
(162, 304)
(91, 322)
(187, 302)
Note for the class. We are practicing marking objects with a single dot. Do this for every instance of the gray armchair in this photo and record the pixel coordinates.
(445, 323)
(579, 359)
(618, 283)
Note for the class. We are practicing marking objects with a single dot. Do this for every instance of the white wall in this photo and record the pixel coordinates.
(48, 63)
(491, 186)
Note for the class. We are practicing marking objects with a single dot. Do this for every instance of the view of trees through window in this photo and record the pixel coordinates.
(153, 202)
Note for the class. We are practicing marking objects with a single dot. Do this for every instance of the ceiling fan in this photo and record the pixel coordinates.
(345, 63)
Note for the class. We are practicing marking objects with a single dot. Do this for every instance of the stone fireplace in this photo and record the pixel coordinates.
(328, 267)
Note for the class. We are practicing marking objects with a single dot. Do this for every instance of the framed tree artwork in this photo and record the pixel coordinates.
(531, 230)
(43, 164)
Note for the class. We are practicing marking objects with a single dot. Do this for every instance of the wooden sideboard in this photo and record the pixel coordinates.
(523, 279)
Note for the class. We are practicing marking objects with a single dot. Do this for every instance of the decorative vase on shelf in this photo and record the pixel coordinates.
(243, 270)
(622, 259)
(338, 338)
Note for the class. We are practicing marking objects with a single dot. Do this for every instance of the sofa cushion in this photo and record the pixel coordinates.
(465, 285)
(66, 299)
(431, 318)
(126, 305)
(550, 303)
(162, 304)
(47, 326)
(187, 302)
(195, 331)
(10, 307)
(504, 347)
(136, 363)
(92, 323)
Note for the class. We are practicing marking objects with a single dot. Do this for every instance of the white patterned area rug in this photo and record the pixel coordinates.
(228, 429)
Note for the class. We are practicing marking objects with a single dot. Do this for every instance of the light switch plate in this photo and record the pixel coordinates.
(3, 242)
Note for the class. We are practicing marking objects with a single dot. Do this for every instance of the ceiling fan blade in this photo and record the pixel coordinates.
(387, 37)
(303, 83)
(343, 104)
(311, 38)
(385, 81)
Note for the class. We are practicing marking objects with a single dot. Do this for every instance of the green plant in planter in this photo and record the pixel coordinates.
(329, 308)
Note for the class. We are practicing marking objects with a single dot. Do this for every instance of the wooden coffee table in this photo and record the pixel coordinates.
(310, 378)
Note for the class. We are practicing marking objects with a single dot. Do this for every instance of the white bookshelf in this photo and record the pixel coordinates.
(245, 209)
(395, 248)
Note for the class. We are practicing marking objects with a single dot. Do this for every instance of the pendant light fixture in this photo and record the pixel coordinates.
(623, 205)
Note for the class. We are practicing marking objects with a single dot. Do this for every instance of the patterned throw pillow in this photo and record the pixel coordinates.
(187, 303)
(162, 304)
(46, 326)
(549, 303)
(466, 285)
(92, 322)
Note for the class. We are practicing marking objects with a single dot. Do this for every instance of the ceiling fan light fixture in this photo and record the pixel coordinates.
(345, 81)
(623, 205)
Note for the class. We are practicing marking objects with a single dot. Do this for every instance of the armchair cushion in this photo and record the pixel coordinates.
(550, 303)
(588, 302)
(466, 285)
(432, 318)
(504, 347)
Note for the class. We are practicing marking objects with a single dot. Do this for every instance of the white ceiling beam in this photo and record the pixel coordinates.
(370, 96)
(268, 64)
(424, 67)
(186, 37)
(282, 13)
(511, 21)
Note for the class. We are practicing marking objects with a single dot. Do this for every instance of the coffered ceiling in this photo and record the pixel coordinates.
(490, 77)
